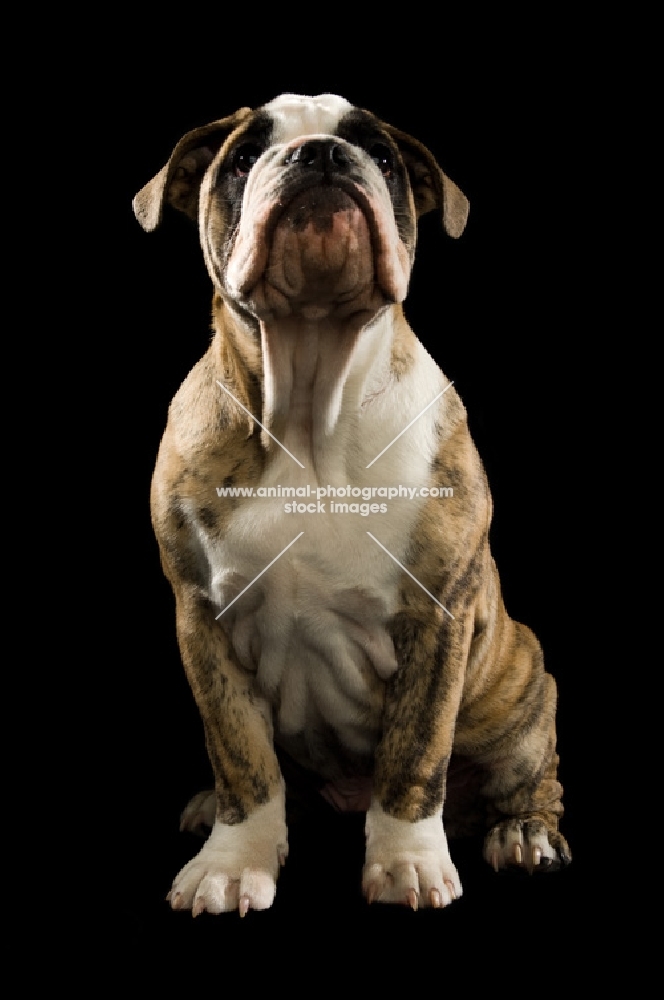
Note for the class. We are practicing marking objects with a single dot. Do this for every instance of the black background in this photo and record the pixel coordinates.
(502, 313)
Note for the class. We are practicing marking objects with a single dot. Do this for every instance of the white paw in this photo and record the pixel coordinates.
(199, 812)
(408, 862)
(521, 843)
(237, 867)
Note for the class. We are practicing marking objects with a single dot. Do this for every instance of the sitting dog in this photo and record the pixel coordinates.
(323, 518)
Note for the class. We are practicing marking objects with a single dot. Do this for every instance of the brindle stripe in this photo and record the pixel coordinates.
(412, 709)
(434, 789)
(236, 736)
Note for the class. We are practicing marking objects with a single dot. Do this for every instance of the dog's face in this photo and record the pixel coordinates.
(306, 206)
(319, 208)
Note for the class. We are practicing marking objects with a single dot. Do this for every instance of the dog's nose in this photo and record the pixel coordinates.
(321, 154)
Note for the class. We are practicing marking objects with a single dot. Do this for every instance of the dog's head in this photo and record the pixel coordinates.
(306, 205)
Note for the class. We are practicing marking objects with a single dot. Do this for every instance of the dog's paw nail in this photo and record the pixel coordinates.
(197, 908)
(537, 855)
(518, 854)
(176, 900)
(411, 899)
(243, 906)
(372, 893)
(451, 888)
(282, 858)
(495, 863)
(436, 900)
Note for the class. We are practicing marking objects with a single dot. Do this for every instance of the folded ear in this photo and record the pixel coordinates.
(431, 187)
(179, 181)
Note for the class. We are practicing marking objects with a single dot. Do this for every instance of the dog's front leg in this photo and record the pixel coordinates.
(407, 858)
(238, 865)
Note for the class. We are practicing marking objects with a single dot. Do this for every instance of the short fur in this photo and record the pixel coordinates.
(369, 677)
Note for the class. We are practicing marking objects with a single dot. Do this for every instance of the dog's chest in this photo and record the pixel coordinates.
(306, 582)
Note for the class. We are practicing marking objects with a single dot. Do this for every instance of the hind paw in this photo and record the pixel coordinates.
(525, 843)
(199, 813)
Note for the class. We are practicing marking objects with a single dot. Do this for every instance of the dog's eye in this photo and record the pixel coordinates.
(245, 157)
(382, 157)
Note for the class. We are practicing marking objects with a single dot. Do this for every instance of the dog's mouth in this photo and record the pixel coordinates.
(321, 248)
(316, 207)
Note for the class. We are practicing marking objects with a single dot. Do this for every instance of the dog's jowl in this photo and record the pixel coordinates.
(323, 518)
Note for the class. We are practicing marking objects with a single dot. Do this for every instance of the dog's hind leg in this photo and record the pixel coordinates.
(523, 792)
(509, 728)
(199, 813)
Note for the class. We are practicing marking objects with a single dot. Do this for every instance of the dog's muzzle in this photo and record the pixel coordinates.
(317, 227)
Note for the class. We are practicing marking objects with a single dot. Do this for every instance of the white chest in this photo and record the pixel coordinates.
(317, 590)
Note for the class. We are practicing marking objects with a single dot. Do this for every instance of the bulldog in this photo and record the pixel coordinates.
(323, 518)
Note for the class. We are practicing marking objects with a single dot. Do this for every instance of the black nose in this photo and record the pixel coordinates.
(321, 154)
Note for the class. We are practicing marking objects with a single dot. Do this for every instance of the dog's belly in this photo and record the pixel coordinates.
(311, 629)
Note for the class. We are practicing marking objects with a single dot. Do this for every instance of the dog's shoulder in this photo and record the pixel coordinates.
(210, 407)
(210, 441)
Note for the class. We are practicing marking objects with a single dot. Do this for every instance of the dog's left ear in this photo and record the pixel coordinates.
(179, 181)
(431, 187)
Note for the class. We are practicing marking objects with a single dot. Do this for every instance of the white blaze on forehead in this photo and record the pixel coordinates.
(294, 115)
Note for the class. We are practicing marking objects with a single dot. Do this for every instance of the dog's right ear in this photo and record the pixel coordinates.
(179, 181)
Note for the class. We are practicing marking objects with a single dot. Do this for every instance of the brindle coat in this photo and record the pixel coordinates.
(435, 679)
